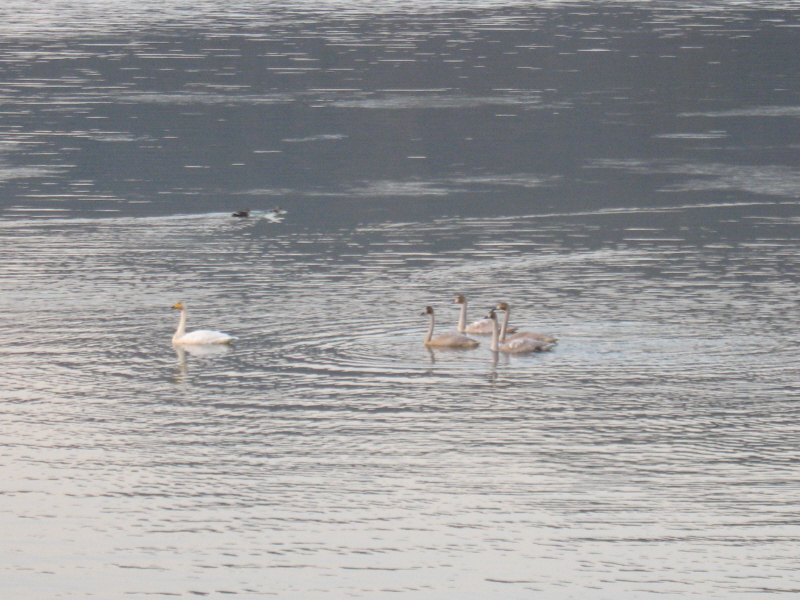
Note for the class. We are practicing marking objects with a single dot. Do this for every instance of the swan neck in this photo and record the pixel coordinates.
(430, 331)
(462, 318)
(181, 327)
(495, 336)
(504, 330)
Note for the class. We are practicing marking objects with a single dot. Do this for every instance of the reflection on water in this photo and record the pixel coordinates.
(657, 437)
(624, 175)
(347, 112)
(202, 351)
(206, 351)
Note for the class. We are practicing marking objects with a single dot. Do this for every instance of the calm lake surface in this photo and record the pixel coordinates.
(626, 175)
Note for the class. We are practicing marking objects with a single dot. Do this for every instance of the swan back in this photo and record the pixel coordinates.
(453, 340)
(205, 336)
(542, 337)
(480, 326)
(525, 344)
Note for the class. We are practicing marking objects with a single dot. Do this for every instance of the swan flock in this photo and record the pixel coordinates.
(520, 342)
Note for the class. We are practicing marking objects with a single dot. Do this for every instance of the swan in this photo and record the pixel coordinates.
(517, 346)
(242, 213)
(200, 336)
(479, 326)
(542, 337)
(452, 340)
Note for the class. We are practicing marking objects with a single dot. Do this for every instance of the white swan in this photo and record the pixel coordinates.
(452, 340)
(200, 336)
(517, 346)
(542, 337)
(479, 326)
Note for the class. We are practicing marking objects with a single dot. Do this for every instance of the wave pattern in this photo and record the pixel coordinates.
(659, 437)
(624, 174)
(219, 100)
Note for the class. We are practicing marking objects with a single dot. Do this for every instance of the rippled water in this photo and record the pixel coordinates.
(624, 175)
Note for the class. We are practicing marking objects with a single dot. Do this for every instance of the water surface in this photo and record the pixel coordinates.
(624, 175)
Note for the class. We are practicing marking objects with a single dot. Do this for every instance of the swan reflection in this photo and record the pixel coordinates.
(432, 354)
(209, 351)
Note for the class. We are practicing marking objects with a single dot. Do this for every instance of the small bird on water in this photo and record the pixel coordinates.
(242, 213)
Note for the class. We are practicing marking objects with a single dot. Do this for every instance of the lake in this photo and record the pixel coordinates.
(624, 174)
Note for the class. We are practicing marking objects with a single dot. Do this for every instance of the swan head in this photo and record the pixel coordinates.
(180, 306)
(460, 300)
(502, 306)
(491, 315)
(428, 311)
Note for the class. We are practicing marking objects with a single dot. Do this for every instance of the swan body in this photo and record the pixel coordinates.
(199, 336)
(525, 344)
(450, 340)
(542, 337)
(483, 326)
(517, 346)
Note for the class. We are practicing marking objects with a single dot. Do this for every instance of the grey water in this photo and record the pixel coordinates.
(625, 174)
